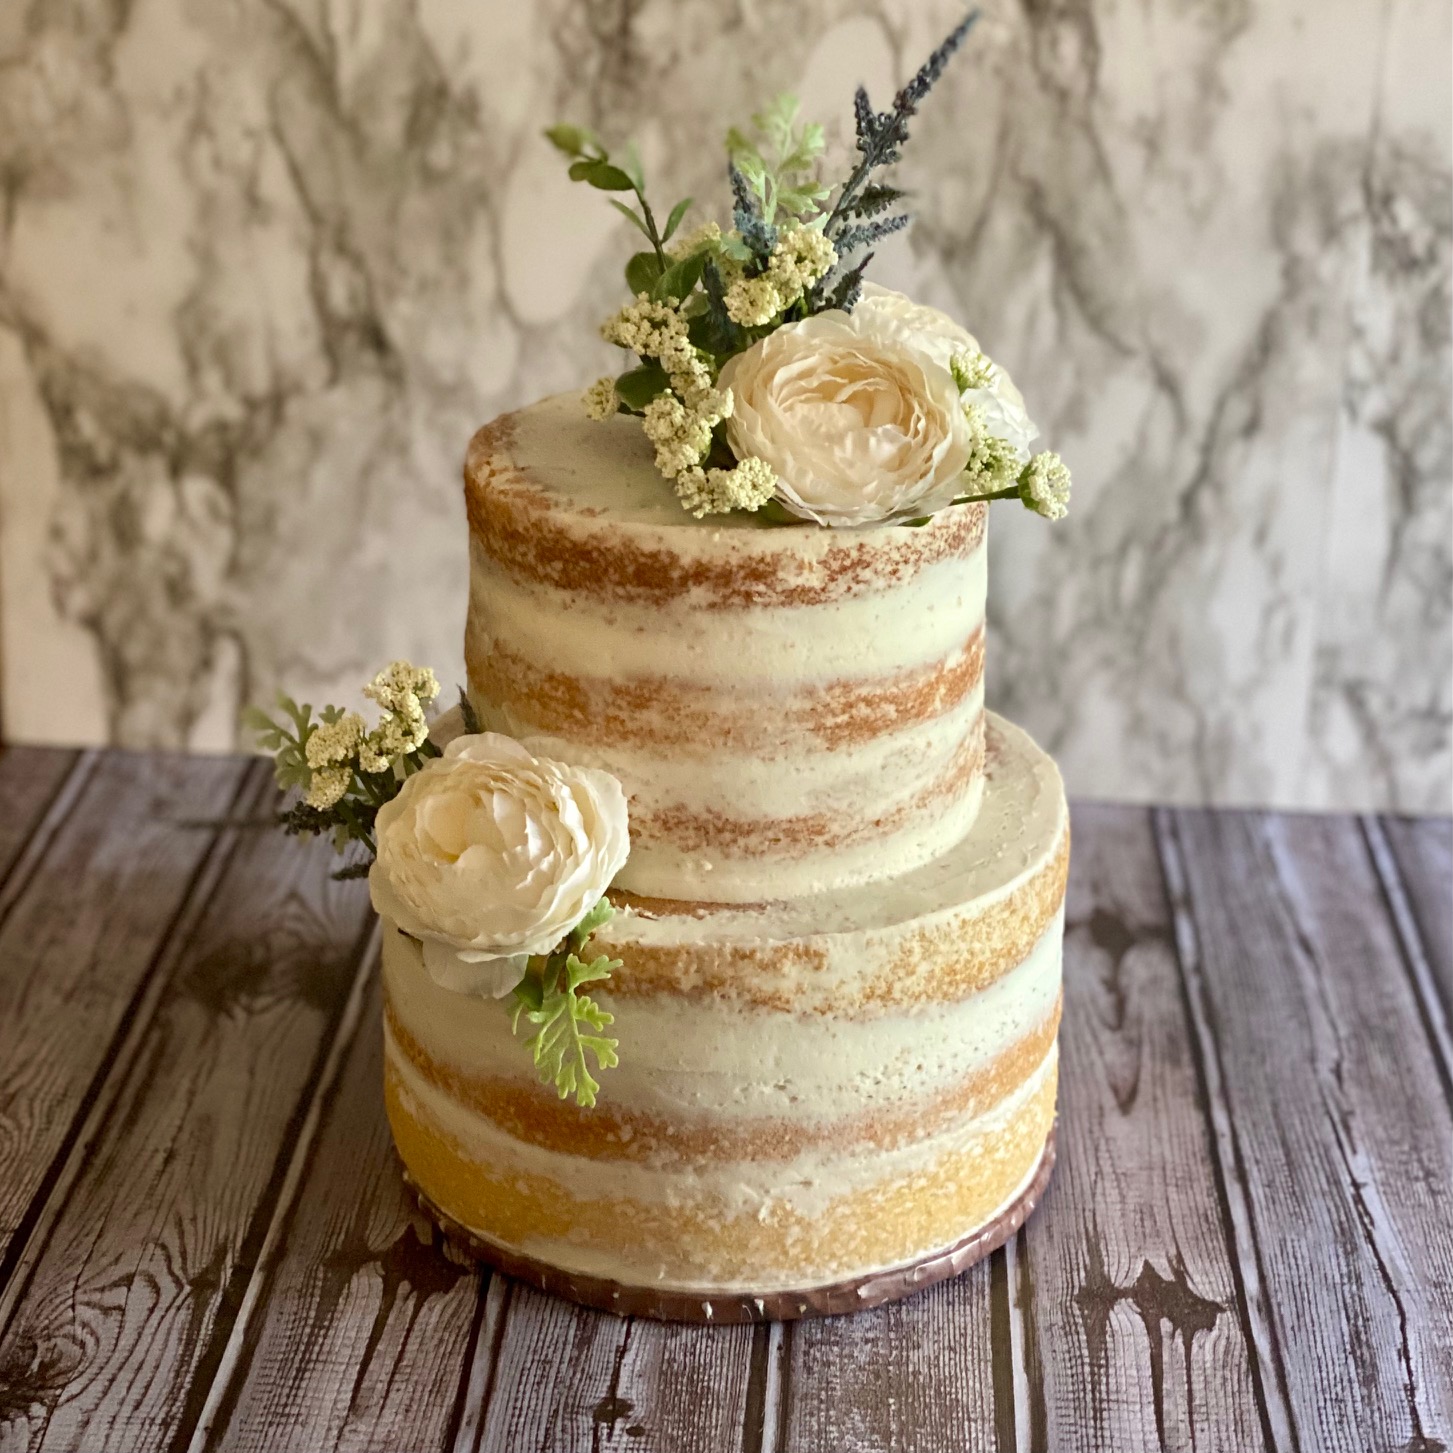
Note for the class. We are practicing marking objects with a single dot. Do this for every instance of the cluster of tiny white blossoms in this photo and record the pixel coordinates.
(687, 244)
(802, 257)
(972, 370)
(332, 751)
(993, 465)
(1045, 486)
(748, 486)
(338, 748)
(600, 399)
(679, 421)
(682, 436)
(996, 466)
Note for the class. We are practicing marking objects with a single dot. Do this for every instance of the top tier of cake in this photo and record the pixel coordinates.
(790, 709)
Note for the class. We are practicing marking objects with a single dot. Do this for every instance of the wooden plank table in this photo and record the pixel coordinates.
(204, 1241)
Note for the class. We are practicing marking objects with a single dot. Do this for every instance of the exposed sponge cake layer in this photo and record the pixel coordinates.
(808, 1089)
(792, 710)
(748, 1226)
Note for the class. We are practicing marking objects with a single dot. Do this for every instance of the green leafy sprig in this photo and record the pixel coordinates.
(569, 1025)
(654, 272)
(778, 165)
(592, 163)
(766, 273)
(351, 818)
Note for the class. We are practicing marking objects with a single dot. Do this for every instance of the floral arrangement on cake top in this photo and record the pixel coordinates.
(772, 376)
(493, 860)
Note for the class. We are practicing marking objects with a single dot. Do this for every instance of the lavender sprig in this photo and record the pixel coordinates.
(881, 135)
(759, 235)
(850, 239)
(849, 287)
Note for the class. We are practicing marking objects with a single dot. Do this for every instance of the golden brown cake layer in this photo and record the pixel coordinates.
(791, 710)
(854, 1214)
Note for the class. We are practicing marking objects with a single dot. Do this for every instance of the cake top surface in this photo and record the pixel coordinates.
(581, 466)
(550, 457)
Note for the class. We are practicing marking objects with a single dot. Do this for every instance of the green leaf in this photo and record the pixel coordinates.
(680, 278)
(674, 220)
(600, 174)
(635, 216)
(574, 140)
(774, 512)
(631, 166)
(529, 995)
(598, 917)
(775, 120)
(780, 171)
(754, 169)
(642, 271)
(302, 716)
(267, 734)
(714, 332)
(563, 1018)
(739, 144)
(798, 199)
(637, 387)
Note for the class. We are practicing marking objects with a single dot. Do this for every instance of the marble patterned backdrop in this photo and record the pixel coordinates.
(266, 263)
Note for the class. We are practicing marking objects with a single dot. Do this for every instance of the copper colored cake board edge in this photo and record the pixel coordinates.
(684, 1305)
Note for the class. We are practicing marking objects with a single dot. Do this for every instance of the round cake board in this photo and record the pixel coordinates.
(669, 1304)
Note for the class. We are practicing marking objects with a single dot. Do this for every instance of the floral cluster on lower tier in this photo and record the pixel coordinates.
(494, 861)
(772, 377)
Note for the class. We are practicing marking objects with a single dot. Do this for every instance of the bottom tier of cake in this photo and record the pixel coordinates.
(812, 1094)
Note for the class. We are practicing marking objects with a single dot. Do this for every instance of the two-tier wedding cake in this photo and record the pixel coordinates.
(725, 653)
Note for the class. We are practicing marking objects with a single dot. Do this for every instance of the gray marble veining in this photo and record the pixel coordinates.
(264, 266)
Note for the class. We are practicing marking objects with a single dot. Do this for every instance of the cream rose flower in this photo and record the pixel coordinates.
(1000, 403)
(489, 854)
(858, 422)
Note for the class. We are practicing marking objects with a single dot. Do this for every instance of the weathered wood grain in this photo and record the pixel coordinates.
(565, 1378)
(1339, 1136)
(363, 1328)
(1135, 1320)
(204, 1241)
(126, 1305)
(30, 778)
(1423, 852)
(84, 924)
(916, 1375)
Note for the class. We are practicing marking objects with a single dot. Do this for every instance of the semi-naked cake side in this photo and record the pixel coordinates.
(791, 710)
(837, 1048)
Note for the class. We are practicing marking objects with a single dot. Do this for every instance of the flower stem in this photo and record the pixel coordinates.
(1011, 492)
(651, 227)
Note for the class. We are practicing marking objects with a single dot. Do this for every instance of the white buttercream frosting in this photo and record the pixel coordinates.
(831, 684)
(681, 1056)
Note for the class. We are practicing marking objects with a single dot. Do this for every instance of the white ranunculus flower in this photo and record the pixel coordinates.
(859, 423)
(927, 328)
(1001, 403)
(490, 854)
